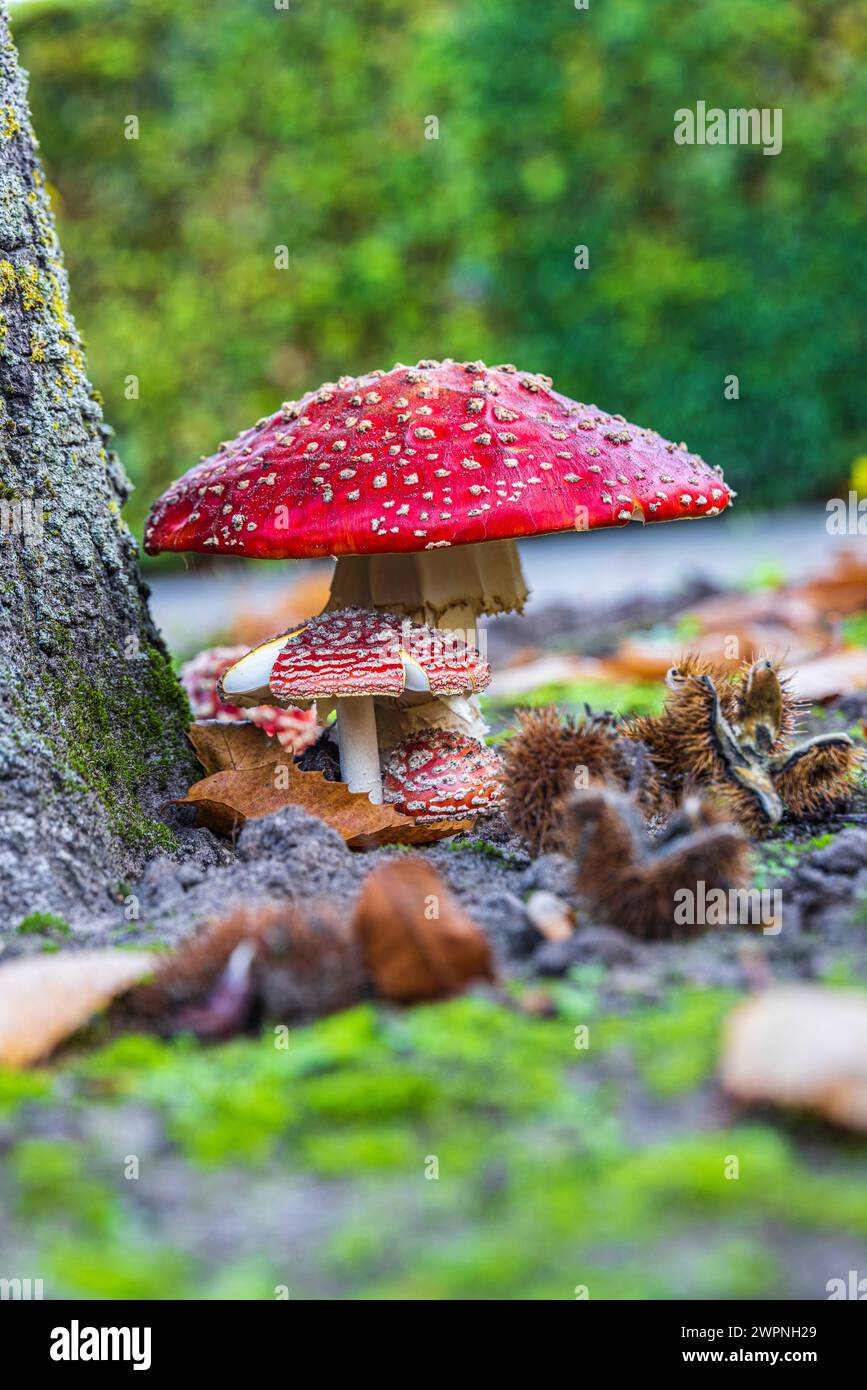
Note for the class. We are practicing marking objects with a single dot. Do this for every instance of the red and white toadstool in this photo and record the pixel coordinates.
(442, 775)
(420, 479)
(295, 729)
(352, 657)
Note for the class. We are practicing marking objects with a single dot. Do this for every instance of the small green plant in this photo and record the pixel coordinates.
(853, 629)
(765, 575)
(39, 923)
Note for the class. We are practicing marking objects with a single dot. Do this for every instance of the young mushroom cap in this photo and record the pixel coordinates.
(426, 457)
(246, 680)
(441, 775)
(201, 678)
(357, 652)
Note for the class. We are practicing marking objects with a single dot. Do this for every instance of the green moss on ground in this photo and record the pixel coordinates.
(773, 859)
(539, 1189)
(620, 697)
(40, 923)
(470, 845)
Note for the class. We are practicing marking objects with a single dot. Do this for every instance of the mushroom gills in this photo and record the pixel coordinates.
(460, 713)
(248, 681)
(414, 675)
(446, 588)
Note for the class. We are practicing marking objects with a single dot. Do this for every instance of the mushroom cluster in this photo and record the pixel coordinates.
(418, 481)
(350, 661)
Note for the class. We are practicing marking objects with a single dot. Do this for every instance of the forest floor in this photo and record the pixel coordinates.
(468, 1149)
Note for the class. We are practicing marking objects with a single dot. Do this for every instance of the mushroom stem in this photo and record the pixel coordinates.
(461, 618)
(359, 751)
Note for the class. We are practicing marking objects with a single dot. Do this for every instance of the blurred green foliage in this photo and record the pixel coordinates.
(557, 1166)
(305, 128)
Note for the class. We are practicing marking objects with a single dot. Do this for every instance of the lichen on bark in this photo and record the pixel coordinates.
(92, 719)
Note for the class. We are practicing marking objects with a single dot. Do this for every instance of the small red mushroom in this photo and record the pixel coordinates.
(351, 657)
(295, 729)
(442, 775)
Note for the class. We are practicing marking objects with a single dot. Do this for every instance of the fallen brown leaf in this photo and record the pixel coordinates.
(650, 658)
(417, 942)
(551, 916)
(829, 676)
(45, 999)
(803, 1046)
(735, 609)
(842, 588)
(222, 747)
(227, 799)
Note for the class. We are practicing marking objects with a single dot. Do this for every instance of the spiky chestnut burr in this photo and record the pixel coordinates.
(734, 737)
(273, 960)
(544, 762)
(629, 879)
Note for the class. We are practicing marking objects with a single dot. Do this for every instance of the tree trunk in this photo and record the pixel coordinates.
(92, 719)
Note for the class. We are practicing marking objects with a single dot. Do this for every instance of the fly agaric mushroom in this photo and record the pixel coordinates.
(420, 479)
(295, 729)
(350, 657)
(442, 775)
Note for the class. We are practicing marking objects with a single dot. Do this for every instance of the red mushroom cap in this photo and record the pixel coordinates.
(444, 453)
(356, 651)
(442, 775)
(295, 729)
(199, 677)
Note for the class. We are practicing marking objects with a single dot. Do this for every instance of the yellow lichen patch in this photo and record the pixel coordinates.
(7, 278)
(73, 367)
(31, 293)
(37, 348)
(58, 306)
(9, 123)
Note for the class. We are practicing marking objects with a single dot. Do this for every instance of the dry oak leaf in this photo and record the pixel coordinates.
(45, 999)
(222, 747)
(417, 942)
(829, 676)
(227, 799)
(803, 1046)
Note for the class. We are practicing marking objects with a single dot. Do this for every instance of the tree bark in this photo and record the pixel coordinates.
(92, 719)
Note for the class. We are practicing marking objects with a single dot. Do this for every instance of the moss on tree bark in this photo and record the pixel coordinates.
(92, 719)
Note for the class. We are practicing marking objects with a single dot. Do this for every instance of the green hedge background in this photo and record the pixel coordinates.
(262, 127)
